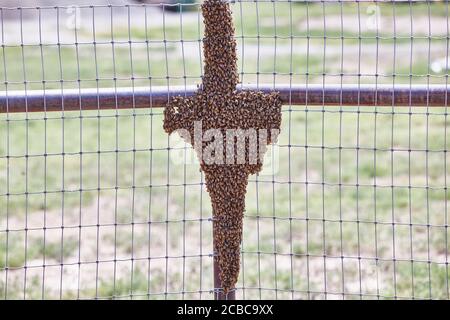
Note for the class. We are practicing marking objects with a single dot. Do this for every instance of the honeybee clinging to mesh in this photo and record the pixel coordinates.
(218, 105)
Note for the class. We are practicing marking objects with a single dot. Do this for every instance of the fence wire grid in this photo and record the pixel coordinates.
(102, 204)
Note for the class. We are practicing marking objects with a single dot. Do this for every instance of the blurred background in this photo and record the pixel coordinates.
(102, 204)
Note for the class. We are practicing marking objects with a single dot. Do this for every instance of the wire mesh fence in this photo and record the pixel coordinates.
(97, 202)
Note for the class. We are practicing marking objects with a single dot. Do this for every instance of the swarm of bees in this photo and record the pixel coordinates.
(218, 105)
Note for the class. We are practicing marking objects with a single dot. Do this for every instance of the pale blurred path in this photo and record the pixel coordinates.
(51, 27)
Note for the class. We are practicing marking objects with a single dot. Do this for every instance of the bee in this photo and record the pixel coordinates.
(219, 105)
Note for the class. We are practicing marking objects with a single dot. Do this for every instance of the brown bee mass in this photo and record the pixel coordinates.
(218, 105)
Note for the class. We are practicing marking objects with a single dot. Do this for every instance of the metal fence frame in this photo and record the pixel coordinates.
(157, 97)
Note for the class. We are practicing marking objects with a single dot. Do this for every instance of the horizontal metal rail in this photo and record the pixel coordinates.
(154, 97)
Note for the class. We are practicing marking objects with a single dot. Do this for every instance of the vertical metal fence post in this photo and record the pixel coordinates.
(218, 293)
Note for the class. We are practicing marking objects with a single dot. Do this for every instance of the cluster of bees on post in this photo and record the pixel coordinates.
(218, 105)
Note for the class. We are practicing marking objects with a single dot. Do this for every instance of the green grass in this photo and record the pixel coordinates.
(289, 224)
(94, 65)
(21, 251)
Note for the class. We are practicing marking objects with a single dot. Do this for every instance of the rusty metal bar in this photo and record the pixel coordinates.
(155, 97)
